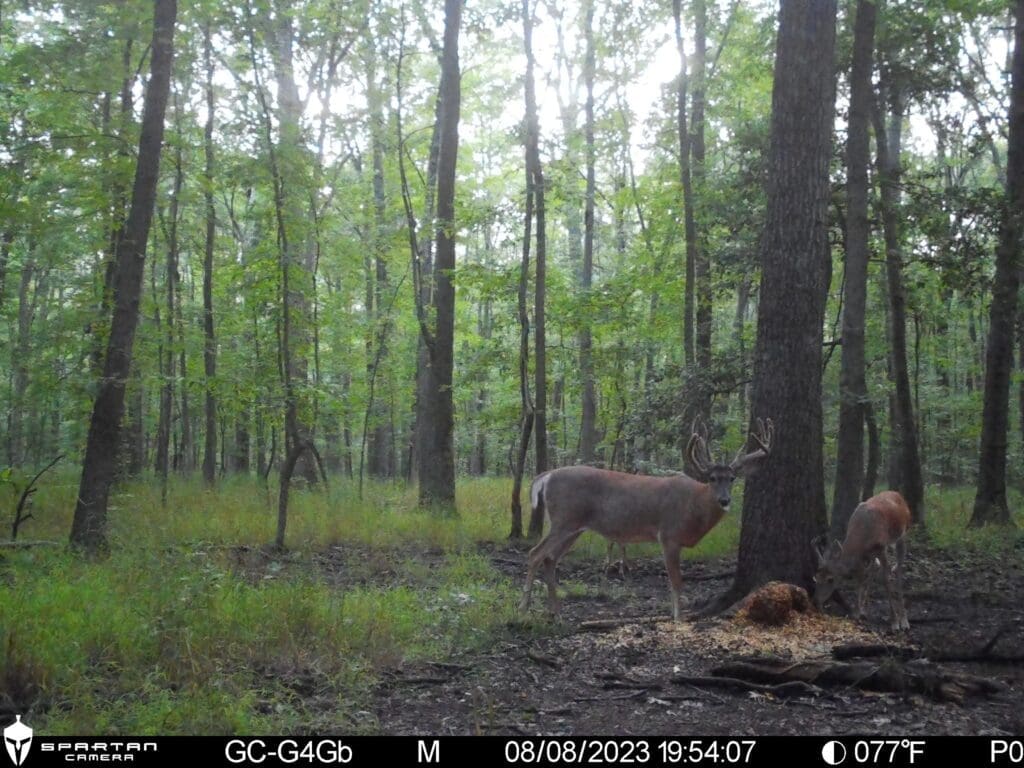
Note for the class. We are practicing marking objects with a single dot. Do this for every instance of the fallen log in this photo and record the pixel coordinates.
(888, 676)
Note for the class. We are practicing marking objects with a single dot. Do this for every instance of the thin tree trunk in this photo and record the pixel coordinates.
(888, 142)
(990, 502)
(874, 452)
(89, 527)
(588, 418)
(380, 447)
(436, 419)
(852, 385)
(701, 259)
(209, 345)
(240, 456)
(20, 360)
(689, 223)
(135, 444)
(534, 194)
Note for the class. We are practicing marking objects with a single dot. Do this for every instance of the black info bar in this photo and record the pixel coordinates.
(271, 751)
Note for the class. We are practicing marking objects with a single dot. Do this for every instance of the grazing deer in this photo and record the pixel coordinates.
(675, 511)
(876, 524)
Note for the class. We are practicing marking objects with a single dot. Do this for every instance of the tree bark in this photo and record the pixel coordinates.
(588, 417)
(852, 384)
(689, 223)
(380, 446)
(784, 502)
(888, 142)
(209, 342)
(298, 250)
(990, 503)
(701, 258)
(89, 527)
(437, 460)
(874, 452)
(20, 360)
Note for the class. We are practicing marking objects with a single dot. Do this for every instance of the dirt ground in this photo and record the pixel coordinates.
(618, 681)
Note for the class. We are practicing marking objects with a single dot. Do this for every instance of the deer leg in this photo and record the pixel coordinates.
(608, 559)
(558, 548)
(894, 621)
(863, 582)
(675, 578)
(622, 560)
(534, 559)
(901, 556)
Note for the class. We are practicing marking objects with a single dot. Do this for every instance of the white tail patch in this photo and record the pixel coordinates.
(537, 488)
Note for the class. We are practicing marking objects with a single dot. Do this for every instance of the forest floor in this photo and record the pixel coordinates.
(384, 619)
(570, 680)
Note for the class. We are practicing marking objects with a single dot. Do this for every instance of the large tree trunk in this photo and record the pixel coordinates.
(89, 528)
(888, 141)
(784, 503)
(852, 385)
(990, 504)
(209, 343)
(437, 457)
(588, 418)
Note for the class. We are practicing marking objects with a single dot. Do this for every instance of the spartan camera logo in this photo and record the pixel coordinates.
(17, 739)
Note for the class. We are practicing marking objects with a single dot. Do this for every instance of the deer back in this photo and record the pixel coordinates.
(876, 523)
(624, 507)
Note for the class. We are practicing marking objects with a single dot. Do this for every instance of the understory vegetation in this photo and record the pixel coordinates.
(194, 626)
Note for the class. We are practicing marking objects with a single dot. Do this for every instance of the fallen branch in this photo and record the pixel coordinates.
(620, 697)
(783, 690)
(873, 650)
(599, 625)
(710, 576)
(422, 680)
(28, 544)
(984, 654)
(543, 658)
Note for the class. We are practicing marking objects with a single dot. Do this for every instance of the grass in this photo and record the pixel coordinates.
(192, 627)
(176, 632)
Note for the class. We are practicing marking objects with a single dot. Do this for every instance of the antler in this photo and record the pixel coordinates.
(697, 447)
(763, 437)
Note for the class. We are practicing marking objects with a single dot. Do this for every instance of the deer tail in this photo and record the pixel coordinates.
(537, 490)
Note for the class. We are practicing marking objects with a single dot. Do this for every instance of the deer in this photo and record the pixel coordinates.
(876, 525)
(676, 511)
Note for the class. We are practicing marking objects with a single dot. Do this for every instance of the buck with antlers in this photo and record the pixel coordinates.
(876, 525)
(675, 511)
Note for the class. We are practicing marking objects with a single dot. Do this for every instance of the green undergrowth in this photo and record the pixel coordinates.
(192, 625)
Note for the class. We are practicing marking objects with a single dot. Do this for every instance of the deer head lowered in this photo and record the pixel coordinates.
(675, 511)
(876, 525)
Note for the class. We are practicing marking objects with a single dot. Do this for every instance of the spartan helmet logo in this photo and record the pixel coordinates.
(17, 739)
